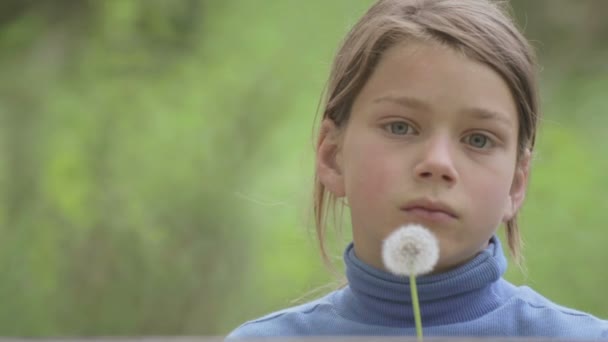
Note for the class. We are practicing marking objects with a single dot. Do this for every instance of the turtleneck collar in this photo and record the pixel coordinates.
(377, 297)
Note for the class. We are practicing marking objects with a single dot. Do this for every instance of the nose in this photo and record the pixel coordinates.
(436, 163)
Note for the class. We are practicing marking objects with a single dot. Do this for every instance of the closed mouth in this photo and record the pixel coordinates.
(429, 207)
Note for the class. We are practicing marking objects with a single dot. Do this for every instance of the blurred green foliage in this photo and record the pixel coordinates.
(157, 156)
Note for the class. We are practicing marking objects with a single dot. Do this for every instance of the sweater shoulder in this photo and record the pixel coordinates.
(538, 301)
(293, 321)
(535, 308)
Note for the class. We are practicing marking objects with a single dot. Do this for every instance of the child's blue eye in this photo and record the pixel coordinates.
(477, 140)
(399, 128)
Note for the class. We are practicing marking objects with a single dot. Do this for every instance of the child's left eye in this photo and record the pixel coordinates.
(399, 128)
(478, 140)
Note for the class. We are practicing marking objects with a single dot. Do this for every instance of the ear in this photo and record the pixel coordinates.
(519, 186)
(328, 162)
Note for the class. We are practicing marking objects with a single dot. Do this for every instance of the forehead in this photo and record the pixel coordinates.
(435, 77)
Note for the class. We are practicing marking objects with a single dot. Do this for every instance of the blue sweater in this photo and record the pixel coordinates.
(472, 300)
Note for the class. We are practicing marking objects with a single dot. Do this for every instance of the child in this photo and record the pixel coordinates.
(430, 118)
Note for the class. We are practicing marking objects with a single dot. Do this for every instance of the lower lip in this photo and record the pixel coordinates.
(430, 215)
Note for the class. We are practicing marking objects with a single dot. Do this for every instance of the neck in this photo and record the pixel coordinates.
(463, 293)
(372, 256)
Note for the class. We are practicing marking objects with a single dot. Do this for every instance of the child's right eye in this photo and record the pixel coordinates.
(399, 128)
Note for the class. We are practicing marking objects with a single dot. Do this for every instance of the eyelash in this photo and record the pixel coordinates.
(389, 125)
(488, 140)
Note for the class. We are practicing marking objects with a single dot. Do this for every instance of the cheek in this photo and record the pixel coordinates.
(369, 172)
(490, 190)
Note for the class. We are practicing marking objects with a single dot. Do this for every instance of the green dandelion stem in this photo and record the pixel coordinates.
(416, 306)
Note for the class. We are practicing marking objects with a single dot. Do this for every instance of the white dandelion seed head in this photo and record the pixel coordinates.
(410, 250)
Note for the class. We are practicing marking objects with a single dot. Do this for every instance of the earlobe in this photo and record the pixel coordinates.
(519, 185)
(328, 164)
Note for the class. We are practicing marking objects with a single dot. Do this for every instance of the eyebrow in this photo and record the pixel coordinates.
(485, 114)
(405, 101)
(475, 112)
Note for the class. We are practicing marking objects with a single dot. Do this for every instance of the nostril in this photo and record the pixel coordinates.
(428, 174)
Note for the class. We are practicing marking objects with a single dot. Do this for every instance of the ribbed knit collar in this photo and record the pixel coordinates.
(377, 297)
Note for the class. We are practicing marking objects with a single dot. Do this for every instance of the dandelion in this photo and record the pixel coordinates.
(409, 251)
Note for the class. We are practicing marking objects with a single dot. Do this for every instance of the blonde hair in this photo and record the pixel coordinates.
(481, 29)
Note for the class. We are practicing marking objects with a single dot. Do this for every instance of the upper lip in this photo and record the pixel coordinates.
(430, 205)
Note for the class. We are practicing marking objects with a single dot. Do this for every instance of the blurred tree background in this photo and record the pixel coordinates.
(157, 159)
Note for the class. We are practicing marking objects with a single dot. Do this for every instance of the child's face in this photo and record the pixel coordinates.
(431, 139)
